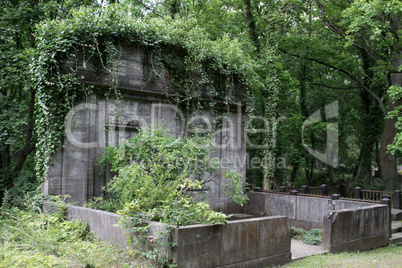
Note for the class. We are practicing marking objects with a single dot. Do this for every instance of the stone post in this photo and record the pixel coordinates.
(324, 189)
(342, 190)
(335, 196)
(304, 189)
(282, 189)
(397, 199)
(293, 192)
(386, 201)
(257, 189)
(357, 194)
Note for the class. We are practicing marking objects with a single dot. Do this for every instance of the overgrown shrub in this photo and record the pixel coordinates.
(157, 171)
(312, 237)
(156, 174)
(38, 239)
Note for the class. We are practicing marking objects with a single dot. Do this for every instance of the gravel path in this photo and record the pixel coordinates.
(301, 250)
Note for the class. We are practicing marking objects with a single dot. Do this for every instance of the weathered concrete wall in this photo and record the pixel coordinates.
(303, 211)
(347, 225)
(356, 229)
(256, 242)
(99, 121)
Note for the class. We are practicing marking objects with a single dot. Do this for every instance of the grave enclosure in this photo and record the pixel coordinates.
(257, 242)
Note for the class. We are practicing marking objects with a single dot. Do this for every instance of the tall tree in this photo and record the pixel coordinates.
(356, 42)
(17, 96)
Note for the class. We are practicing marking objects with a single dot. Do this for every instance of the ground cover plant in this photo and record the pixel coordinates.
(33, 238)
(311, 237)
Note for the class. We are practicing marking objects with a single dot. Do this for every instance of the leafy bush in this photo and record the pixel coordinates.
(312, 237)
(298, 233)
(156, 172)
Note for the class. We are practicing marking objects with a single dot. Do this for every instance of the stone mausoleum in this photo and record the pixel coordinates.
(145, 101)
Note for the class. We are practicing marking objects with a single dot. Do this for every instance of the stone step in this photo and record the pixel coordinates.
(396, 239)
(396, 226)
(396, 214)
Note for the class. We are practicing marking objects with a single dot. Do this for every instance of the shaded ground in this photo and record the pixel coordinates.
(301, 249)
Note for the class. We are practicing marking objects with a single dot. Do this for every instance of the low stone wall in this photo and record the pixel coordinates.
(256, 242)
(303, 211)
(347, 225)
(356, 229)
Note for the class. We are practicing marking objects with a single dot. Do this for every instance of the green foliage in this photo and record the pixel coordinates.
(396, 95)
(156, 176)
(312, 237)
(156, 172)
(94, 33)
(32, 239)
(297, 233)
(106, 202)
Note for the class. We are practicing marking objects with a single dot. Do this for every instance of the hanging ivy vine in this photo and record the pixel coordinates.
(94, 34)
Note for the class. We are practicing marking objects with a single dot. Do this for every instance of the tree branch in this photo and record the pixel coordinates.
(339, 31)
(347, 74)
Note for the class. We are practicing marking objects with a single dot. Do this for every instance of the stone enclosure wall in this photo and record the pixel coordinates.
(248, 243)
(145, 102)
(347, 225)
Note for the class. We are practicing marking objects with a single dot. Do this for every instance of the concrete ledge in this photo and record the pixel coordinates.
(396, 214)
(362, 244)
(243, 243)
(254, 242)
(303, 211)
(263, 262)
(396, 239)
(347, 225)
(357, 229)
(101, 223)
(306, 225)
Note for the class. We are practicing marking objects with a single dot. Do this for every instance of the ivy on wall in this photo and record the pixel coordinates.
(93, 33)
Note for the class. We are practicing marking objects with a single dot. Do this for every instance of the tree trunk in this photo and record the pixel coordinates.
(252, 25)
(388, 161)
(28, 146)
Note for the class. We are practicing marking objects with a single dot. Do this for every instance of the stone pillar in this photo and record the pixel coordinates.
(342, 190)
(324, 189)
(397, 199)
(386, 201)
(357, 193)
(335, 196)
(304, 189)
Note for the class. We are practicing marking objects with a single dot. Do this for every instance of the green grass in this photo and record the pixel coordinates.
(390, 256)
(29, 239)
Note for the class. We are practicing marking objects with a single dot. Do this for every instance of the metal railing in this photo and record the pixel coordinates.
(359, 194)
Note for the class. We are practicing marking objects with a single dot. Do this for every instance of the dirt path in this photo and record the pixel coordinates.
(301, 250)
